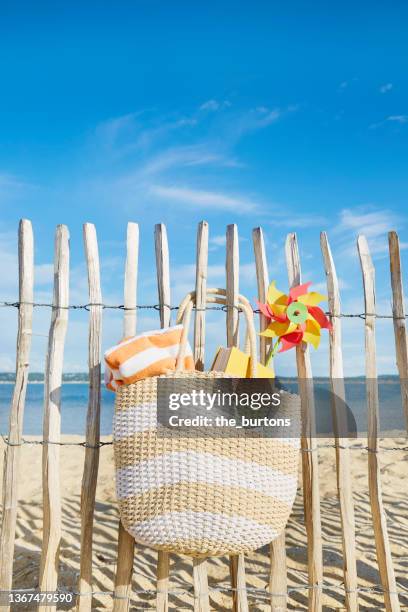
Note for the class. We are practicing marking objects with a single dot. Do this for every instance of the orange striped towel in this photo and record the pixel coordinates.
(148, 354)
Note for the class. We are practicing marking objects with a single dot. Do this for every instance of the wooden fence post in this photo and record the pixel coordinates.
(12, 452)
(131, 274)
(278, 582)
(52, 418)
(163, 272)
(163, 287)
(91, 463)
(310, 464)
(232, 275)
(126, 543)
(262, 278)
(201, 290)
(237, 562)
(398, 311)
(200, 579)
(343, 465)
(374, 478)
(201, 594)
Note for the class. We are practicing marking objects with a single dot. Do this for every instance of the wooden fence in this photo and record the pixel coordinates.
(278, 588)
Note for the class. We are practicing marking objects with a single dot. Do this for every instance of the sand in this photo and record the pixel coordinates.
(29, 532)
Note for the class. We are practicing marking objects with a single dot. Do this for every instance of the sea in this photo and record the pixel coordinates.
(74, 402)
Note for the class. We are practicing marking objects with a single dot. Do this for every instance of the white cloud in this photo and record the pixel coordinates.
(392, 119)
(108, 131)
(135, 132)
(44, 274)
(193, 155)
(151, 135)
(322, 286)
(9, 265)
(247, 272)
(214, 105)
(262, 117)
(241, 124)
(203, 199)
(370, 222)
(385, 88)
(398, 118)
(163, 160)
(218, 241)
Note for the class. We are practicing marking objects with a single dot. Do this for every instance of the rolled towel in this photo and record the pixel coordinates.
(149, 354)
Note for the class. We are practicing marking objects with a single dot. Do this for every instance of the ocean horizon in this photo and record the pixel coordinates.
(74, 404)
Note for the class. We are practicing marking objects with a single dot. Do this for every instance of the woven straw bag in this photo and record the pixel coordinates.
(206, 495)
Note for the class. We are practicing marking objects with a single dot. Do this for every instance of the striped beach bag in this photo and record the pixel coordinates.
(201, 495)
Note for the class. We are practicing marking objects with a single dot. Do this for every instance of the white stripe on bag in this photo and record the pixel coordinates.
(191, 466)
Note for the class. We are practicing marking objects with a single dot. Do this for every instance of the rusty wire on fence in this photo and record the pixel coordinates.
(100, 444)
(224, 308)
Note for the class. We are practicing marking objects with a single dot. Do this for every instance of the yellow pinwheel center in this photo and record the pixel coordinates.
(297, 312)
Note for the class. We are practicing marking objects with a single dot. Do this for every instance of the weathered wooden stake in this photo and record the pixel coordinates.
(126, 544)
(278, 582)
(201, 289)
(232, 274)
(379, 517)
(237, 562)
(12, 452)
(52, 418)
(310, 464)
(201, 594)
(398, 311)
(343, 465)
(163, 287)
(91, 464)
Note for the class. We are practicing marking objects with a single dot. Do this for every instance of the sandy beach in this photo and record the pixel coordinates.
(28, 540)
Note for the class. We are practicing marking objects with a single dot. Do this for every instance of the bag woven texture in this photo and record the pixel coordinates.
(205, 495)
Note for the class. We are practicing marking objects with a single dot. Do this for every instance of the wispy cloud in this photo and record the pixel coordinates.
(256, 119)
(43, 273)
(109, 131)
(322, 286)
(12, 187)
(138, 132)
(149, 157)
(239, 124)
(370, 222)
(218, 241)
(343, 85)
(385, 88)
(401, 119)
(182, 156)
(196, 198)
(398, 118)
(214, 105)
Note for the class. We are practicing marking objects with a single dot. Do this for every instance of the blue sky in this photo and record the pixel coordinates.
(294, 118)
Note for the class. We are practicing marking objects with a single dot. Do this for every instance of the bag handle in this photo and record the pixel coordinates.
(216, 296)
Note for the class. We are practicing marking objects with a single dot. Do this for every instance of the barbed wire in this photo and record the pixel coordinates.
(224, 308)
(101, 443)
(43, 442)
(375, 588)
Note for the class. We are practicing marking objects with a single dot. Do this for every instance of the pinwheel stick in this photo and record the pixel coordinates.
(272, 352)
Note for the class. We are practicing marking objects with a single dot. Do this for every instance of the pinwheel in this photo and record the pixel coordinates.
(293, 318)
